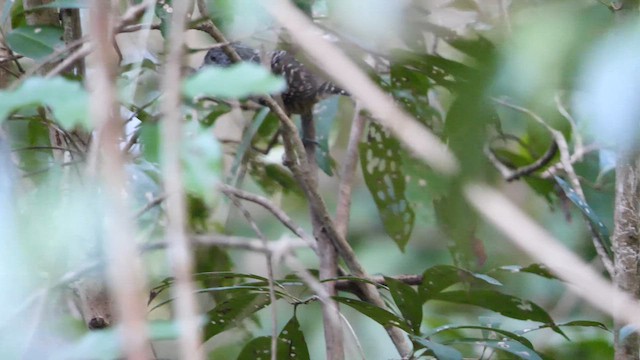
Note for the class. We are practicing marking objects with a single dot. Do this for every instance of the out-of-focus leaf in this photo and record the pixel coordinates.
(381, 163)
(305, 5)
(230, 313)
(324, 116)
(65, 4)
(258, 348)
(239, 18)
(504, 304)
(441, 352)
(439, 277)
(408, 301)
(381, 316)
(513, 347)
(150, 140)
(273, 177)
(236, 81)
(163, 11)
(536, 269)
(67, 99)
(214, 114)
(376, 24)
(35, 42)
(247, 139)
(201, 159)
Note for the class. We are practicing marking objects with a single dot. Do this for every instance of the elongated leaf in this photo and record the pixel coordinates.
(442, 352)
(237, 81)
(508, 334)
(509, 346)
(291, 345)
(440, 277)
(504, 304)
(231, 312)
(258, 348)
(408, 301)
(587, 211)
(247, 139)
(381, 316)
(67, 99)
(576, 323)
(291, 342)
(201, 158)
(381, 163)
(324, 115)
(35, 42)
(537, 269)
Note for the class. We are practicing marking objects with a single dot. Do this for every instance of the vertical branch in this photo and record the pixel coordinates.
(179, 252)
(626, 245)
(326, 250)
(626, 238)
(123, 265)
(347, 174)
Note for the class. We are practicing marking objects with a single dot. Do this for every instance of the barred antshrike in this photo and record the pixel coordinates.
(304, 88)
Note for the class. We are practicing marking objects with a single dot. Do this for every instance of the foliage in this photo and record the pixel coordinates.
(490, 301)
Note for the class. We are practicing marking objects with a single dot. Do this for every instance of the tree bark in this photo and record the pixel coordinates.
(626, 245)
(626, 239)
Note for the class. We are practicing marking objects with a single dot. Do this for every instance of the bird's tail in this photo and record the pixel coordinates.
(328, 88)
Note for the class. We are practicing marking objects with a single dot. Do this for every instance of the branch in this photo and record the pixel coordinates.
(180, 256)
(347, 174)
(124, 268)
(565, 160)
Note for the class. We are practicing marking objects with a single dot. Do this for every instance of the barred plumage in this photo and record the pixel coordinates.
(304, 88)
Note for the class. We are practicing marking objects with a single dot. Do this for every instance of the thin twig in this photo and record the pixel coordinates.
(565, 160)
(276, 211)
(347, 175)
(180, 256)
(270, 276)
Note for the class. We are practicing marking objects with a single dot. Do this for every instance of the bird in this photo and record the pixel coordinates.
(304, 87)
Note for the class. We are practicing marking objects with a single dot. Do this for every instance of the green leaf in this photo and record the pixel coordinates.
(536, 269)
(258, 348)
(291, 345)
(508, 334)
(236, 81)
(381, 316)
(35, 42)
(509, 346)
(67, 99)
(230, 313)
(247, 139)
(324, 115)
(408, 301)
(291, 342)
(441, 352)
(576, 323)
(439, 277)
(587, 211)
(163, 11)
(201, 160)
(504, 304)
(381, 163)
